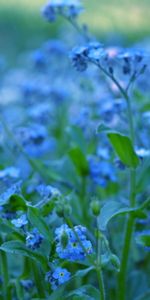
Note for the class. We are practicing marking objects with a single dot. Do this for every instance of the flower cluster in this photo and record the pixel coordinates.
(67, 8)
(130, 62)
(72, 245)
(58, 277)
(34, 239)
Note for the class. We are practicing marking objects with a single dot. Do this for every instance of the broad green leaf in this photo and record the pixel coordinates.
(79, 160)
(110, 210)
(39, 222)
(17, 247)
(124, 149)
(18, 203)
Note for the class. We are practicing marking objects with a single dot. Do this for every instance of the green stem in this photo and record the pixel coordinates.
(38, 280)
(19, 290)
(99, 268)
(131, 126)
(84, 201)
(101, 283)
(5, 276)
(130, 220)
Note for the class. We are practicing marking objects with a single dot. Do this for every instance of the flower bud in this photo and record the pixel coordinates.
(64, 239)
(95, 207)
(60, 210)
(115, 262)
(67, 210)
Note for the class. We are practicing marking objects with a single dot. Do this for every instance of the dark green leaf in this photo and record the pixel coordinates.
(144, 239)
(17, 247)
(124, 149)
(79, 160)
(110, 210)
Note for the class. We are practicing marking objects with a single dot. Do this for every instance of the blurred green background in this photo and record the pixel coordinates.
(22, 26)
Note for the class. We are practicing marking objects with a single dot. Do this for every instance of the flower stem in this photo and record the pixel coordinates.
(130, 220)
(38, 280)
(98, 268)
(5, 276)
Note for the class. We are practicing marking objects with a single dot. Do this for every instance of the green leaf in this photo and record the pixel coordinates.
(79, 160)
(39, 222)
(124, 149)
(17, 247)
(17, 202)
(82, 273)
(144, 239)
(86, 292)
(7, 227)
(110, 210)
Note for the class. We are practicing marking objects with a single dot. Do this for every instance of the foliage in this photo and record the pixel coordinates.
(75, 161)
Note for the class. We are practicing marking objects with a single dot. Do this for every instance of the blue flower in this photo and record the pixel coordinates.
(39, 59)
(10, 172)
(27, 284)
(81, 56)
(101, 171)
(34, 239)
(14, 189)
(66, 8)
(20, 222)
(47, 191)
(73, 250)
(58, 277)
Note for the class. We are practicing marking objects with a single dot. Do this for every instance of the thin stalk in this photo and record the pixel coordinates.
(19, 290)
(99, 268)
(38, 280)
(130, 220)
(5, 275)
(83, 200)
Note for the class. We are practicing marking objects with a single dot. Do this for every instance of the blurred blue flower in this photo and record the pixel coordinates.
(102, 172)
(13, 189)
(20, 222)
(34, 239)
(10, 172)
(66, 8)
(27, 284)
